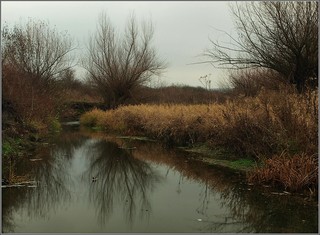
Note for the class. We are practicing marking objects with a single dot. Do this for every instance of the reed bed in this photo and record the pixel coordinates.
(261, 127)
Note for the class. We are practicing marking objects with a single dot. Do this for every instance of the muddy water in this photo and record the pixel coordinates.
(85, 182)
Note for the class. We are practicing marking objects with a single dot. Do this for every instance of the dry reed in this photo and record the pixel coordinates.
(292, 172)
(262, 127)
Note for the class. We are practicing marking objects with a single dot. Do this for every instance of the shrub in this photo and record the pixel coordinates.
(92, 118)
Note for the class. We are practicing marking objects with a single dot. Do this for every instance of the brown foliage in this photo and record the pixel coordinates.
(34, 56)
(292, 172)
(31, 99)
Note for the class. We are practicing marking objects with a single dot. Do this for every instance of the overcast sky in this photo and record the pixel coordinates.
(181, 34)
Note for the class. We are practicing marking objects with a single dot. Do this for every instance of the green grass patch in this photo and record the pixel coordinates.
(216, 153)
(244, 164)
(222, 157)
(140, 138)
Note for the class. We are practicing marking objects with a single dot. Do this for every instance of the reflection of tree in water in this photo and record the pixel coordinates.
(53, 185)
(121, 179)
(257, 211)
(247, 211)
(254, 211)
(53, 182)
(11, 204)
(70, 141)
(126, 179)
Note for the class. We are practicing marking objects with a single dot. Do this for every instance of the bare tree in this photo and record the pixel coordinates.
(281, 36)
(118, 65)
(36, 49)
(33, 57)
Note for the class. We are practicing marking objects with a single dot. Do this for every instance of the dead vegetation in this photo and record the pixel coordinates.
(260, 127)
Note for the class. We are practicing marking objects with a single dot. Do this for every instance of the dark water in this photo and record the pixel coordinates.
(144, 189)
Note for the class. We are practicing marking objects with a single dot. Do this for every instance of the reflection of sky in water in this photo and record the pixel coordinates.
(138, 194)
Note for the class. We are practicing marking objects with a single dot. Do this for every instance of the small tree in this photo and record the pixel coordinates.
(281, 36)
(118, 65)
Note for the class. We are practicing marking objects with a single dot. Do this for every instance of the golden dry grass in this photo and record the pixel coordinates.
(263, 127)
(260, 126)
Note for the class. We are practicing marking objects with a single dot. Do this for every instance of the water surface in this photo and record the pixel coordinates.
(140, 187)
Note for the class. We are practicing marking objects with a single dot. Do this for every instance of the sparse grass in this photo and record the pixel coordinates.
(243, 164)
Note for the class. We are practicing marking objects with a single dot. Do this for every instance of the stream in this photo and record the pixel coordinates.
(88, 182)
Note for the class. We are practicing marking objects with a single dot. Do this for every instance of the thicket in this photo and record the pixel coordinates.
(34, 56)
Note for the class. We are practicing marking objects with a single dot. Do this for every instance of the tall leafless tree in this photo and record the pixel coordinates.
(119, 64)
(281, 36)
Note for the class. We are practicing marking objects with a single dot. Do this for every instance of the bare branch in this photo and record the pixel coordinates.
(119, 64)
(281, 36)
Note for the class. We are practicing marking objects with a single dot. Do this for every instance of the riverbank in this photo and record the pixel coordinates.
(262, 129)
(20, 140)
(20, 144)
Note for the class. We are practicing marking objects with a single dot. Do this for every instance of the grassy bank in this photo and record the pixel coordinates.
(20, 138)
(264, 128)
